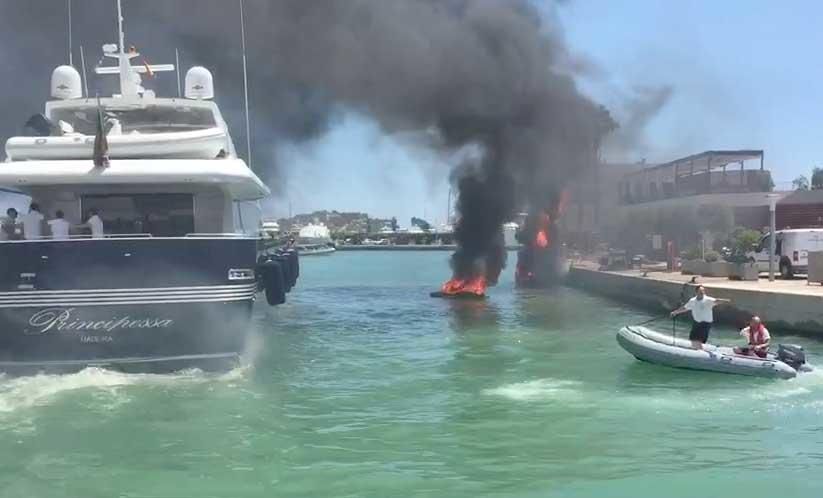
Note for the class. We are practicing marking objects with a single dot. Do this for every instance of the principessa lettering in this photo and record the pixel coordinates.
(61, 319)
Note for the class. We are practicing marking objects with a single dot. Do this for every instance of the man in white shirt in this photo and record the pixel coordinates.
(59, 226)
(95, 224)
(702, 308)
(33, 222)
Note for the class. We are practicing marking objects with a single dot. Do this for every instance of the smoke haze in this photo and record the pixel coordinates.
(482, 73)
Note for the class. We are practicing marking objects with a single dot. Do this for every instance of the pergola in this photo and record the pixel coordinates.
(702, 163)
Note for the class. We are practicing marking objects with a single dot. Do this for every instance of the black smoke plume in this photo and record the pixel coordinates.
(490, 74)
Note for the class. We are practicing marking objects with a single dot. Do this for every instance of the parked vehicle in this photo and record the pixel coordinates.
(792, 249)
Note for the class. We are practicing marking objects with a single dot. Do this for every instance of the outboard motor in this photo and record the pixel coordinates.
(791, 355)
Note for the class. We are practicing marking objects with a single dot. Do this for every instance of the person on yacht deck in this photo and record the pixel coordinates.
(95, 224)
(11, 226)
(33, 222)
(59, 226)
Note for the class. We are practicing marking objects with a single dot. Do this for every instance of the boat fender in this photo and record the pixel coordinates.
(271, 274)
(288, 271)
(291, 266)
(295, 257)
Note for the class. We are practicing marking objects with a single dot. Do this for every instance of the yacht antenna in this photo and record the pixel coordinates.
(68, 8)
(83, 67)
(177, 67)
(245, 84)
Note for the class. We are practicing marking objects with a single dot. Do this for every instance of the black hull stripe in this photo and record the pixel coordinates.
(136, 291)
(98, 302)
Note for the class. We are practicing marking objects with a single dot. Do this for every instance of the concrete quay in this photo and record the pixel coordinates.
(783, 304)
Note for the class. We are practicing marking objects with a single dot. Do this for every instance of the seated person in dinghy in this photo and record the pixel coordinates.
(758, 336)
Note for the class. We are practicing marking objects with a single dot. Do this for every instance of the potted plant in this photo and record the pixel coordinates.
(715, 266)
(692, 262)
(742, 266)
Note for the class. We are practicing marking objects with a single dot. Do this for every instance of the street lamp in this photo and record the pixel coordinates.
(772, 229)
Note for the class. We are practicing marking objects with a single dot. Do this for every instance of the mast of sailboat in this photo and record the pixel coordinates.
(245, 84)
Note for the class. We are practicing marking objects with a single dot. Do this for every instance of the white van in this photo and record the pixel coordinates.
(792, 249)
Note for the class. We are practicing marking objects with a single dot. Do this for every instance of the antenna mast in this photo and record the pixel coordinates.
(85, 77)
(68, 8)
(177, 67)
(122, 58)
(245, 84)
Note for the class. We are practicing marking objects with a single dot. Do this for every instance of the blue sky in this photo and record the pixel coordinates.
(745, 74)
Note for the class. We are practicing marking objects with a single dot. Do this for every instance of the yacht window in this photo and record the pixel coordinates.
(149, 119)
(161, 215)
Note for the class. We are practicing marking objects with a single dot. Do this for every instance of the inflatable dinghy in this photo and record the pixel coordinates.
(647, 345)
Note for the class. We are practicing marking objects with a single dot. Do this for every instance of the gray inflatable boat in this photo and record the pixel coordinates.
(647, 345)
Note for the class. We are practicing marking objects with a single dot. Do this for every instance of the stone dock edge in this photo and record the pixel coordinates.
(779, 310)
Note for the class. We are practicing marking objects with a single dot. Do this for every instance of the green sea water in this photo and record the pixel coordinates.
(364, 386)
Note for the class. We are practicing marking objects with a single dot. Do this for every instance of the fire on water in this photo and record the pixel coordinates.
(472, 287)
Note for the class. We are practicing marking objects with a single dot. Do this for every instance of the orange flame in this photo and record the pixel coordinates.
(542, 240)
(473, 285)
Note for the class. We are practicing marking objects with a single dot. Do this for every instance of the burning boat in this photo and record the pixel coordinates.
(463, 288)
(539, 260)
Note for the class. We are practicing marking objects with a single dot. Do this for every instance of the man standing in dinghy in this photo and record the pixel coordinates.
(758, 336)
(702, 308)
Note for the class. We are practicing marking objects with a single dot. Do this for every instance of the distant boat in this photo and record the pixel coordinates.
(270, 229)
(314, 239)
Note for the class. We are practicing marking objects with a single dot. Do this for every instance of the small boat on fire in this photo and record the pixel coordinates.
(648, 345)
(164, 275)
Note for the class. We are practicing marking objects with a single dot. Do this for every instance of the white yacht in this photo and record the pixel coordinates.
(315, 239)
(170, 280)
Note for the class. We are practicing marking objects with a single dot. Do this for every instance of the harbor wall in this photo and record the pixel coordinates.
(780, 310)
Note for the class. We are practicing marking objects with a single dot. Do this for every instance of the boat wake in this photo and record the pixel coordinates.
(23, 392)
(536, 390)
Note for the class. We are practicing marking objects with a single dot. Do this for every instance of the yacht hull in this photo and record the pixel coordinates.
(136, 304)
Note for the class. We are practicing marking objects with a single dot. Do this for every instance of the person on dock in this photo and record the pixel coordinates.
(758, 339)
(702, 308)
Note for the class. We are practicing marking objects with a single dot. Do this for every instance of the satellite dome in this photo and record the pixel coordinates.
(65, 83)
(199, 83)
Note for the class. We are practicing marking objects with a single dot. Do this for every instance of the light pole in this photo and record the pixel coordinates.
(772, 236)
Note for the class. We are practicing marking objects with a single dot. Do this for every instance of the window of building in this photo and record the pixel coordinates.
(161, 215)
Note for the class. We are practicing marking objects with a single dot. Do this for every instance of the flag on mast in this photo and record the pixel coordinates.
(101, 143)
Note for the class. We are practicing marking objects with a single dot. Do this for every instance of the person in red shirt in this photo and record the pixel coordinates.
(758, 337)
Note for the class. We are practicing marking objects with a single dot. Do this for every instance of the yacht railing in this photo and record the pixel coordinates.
(110, 236)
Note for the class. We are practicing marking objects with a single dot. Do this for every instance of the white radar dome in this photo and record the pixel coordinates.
(65, 83)
(199, 83)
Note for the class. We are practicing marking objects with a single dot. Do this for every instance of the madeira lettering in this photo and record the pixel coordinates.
(62, 320)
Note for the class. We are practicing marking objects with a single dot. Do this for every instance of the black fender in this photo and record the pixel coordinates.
(273, 280)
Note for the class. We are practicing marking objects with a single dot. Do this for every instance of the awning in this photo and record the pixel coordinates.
(232, 174)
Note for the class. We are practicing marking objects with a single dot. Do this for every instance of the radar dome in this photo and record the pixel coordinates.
(65, 83)
(199, 84)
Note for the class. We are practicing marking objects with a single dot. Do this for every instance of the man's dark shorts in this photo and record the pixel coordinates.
(700, 331)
